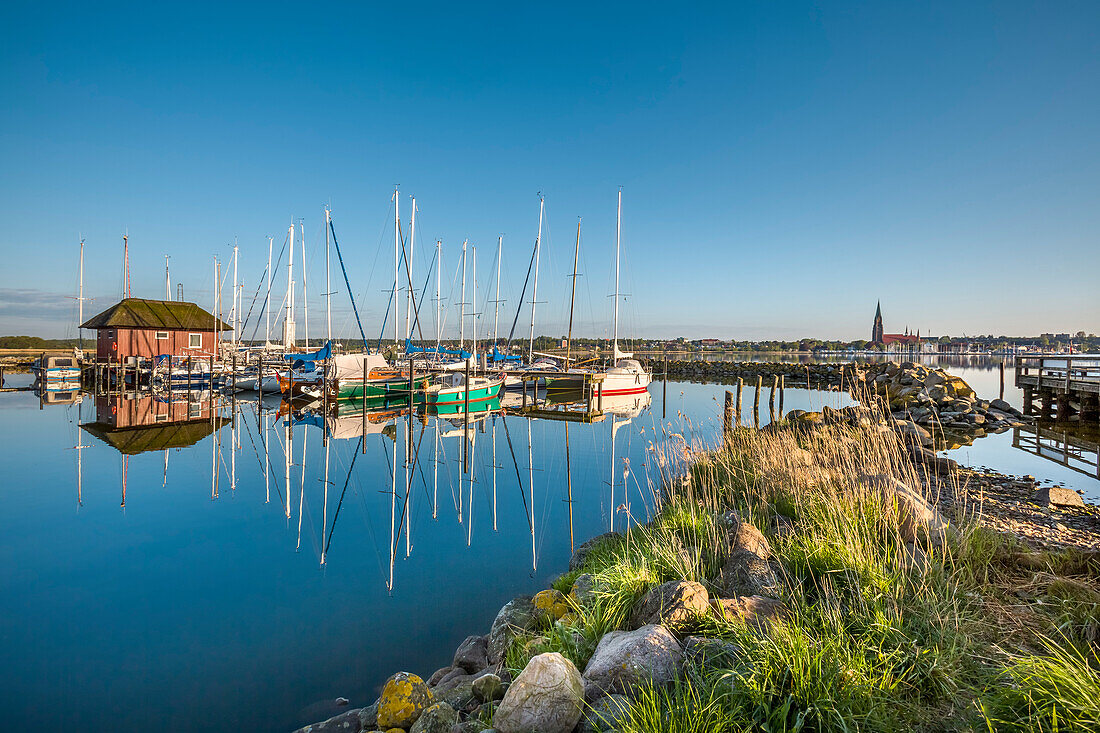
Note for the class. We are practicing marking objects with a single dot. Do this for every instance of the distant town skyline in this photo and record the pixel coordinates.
(784, 166)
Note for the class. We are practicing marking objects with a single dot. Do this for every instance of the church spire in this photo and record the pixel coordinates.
(876, 328)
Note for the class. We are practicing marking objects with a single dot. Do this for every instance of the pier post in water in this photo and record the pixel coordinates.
(1002, 395)
(727, 415)
(756, 402)
(737, 405)
(771, 399)
(782, 388)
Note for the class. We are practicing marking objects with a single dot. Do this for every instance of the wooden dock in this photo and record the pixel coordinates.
(1060, 387)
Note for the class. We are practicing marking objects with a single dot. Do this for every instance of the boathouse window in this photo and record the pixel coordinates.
(162, 335)
(110, 334)
(194, 340)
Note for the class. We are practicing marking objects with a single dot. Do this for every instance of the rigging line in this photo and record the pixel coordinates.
(347, 282)
(423, 290)
(273, 269)
(339, 504)
(252, 305)
(515, 463)
(519, 308)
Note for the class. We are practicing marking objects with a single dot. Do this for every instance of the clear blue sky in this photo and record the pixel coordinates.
(784, 165)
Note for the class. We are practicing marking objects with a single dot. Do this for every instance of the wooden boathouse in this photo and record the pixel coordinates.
(1060, 387)
(137, 329)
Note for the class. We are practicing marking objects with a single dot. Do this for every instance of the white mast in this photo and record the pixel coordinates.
(496, 309)
(236, 306)
(462, 303)
(535, 288)
(80, 298)
(288, 322)
(438, 301)
(615, 327)
(305, 293)
(408, 299)
(267, 298)
(396, 257)
(328, 305)
(473, 313)
(167, 276)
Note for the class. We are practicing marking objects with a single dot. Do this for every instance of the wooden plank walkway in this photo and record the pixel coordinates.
(1065, 386)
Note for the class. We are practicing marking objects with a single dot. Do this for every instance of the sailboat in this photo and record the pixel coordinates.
(626, 375)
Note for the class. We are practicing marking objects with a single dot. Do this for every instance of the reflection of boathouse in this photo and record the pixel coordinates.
(135, 424)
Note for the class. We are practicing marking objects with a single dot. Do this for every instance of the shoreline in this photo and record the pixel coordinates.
(648, 624)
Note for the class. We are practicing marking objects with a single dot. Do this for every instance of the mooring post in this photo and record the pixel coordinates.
(782, 389)
(1002, 395)
(737, 407)
(771, 398)
(727, 415)
(1, 375)
(756, 402)
(664, 393)
(599, 396)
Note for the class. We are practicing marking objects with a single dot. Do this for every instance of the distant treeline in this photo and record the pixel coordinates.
(34, 342)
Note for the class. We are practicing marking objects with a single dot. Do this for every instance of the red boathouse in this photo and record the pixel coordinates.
(136, 327)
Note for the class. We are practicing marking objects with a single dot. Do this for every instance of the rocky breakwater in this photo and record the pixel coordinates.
(590, 682)
(819, 376)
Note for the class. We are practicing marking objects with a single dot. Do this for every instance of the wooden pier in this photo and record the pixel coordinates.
(1060, 387)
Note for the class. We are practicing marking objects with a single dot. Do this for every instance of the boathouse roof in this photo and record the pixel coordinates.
(167, 315)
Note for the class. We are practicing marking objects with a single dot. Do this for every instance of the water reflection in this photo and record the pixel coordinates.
(1072, 445)
(410, 449)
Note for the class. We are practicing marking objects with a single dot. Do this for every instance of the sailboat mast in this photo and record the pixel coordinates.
(80, 298)
(328, 299)
(496, 309)
(125, 265)
(535, 287)
(236, 304)
(396, 257)
(267, 298)
(462, 303)
(408, 298)
(573, 295)
(473, 313)
(618, 231)
(305, 293)
(438, 300)
(167, 280)
(288, 323)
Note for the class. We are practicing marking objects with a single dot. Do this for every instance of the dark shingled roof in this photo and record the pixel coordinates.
(168, 315)
(134, 440)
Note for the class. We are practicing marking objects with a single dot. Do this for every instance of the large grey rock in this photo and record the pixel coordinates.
(914, 434)
(516, 617)
(584, 589)
(624, 660)
(938, 465)
(546, 697)
(603, 715)
(577, 561)
(1001, 405)
(349, 721)
(677, 604)
(488, 687)
(472, 654)
(437, 718)
(756, 611)
(703, 655)
(457, 690)
(1059, 496)
(917, 518)
(747, 537)
(747, 574)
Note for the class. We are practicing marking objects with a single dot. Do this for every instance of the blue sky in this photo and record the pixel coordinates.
(784, 165)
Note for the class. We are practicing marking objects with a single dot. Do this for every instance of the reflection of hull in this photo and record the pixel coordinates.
(454, 398)
(479, 407)
(251, 384)
(62, 394)
(385, 387)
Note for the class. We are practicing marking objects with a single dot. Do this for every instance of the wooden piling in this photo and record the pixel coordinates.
(727, 414)
(756, 402)
(771, 399)
(782, 389)
(1002, 394)
(737, 406)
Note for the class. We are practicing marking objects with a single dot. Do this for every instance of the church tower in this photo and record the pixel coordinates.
(876, 329)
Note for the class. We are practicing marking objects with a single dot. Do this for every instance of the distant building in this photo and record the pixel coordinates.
(140, 328)
(891, 339)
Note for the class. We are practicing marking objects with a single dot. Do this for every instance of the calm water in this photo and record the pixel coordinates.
(191, 579)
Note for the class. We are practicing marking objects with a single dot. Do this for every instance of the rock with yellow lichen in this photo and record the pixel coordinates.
(404, 697)
(551, 604)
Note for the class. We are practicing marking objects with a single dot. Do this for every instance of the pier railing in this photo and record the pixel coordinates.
(1059, 373)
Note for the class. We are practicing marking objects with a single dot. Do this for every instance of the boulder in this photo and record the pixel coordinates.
(936, 464)
(551, 604)
(914, 434)
(747, 574)
(583, 591)
(747, 537)
(472, 654)
(488, 687)
(349, 721)
(458, 690)
(439, 674)
(756, 611)
(516, 617)
(546, 697)
(577, 561)
(676, 604)
(625, 660)
(404, 697)
(916, 516)
(1059, 496)
(437, 718)
(703, 656)
(603, 715)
